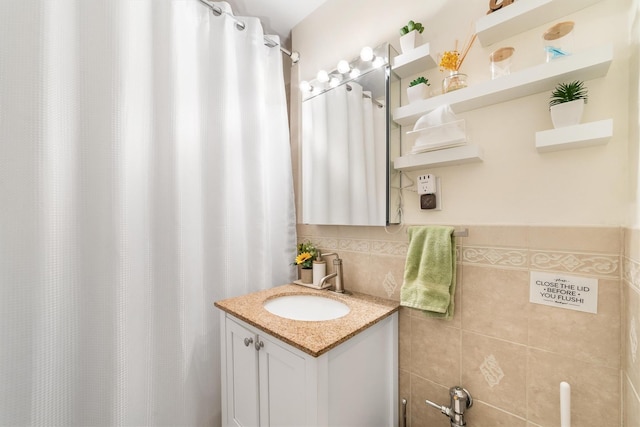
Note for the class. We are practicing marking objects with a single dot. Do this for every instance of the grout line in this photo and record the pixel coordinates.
(503, 411)
(499, 339)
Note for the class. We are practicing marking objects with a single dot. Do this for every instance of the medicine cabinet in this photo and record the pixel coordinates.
(348, 141)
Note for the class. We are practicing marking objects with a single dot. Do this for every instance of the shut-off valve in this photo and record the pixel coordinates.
(461, 400)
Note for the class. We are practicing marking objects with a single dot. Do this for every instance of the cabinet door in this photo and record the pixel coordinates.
(283, 391)
(242, 376)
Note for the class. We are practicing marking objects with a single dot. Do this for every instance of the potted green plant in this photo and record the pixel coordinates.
(567, 103)
(418, 89)
(306, 253)
(410, 36)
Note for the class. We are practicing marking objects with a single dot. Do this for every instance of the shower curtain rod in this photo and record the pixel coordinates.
(295, 56)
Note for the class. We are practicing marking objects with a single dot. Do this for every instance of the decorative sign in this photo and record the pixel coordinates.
(559, 290)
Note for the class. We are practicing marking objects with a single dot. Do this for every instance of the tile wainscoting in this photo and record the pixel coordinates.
(509, 353)
(631, 328)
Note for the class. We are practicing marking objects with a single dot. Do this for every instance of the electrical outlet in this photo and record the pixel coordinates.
(427, 184)
(432, 200)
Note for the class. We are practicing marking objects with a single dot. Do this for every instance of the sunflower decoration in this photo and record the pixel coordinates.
(306, 254)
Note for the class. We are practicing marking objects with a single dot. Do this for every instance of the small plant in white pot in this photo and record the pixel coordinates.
(567, 103)
(411, 36)
(418, 89)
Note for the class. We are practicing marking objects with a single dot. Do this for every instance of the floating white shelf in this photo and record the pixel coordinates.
(580, 66)
(524, 15)
(467, 153)
(578, 136)
(413, 62)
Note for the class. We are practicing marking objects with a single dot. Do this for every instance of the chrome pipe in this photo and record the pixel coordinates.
(403, 419)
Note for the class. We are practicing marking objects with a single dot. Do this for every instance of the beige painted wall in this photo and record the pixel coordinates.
(514, 184)
(634, 113)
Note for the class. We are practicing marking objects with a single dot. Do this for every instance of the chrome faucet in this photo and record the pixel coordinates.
(460, 401)
(337, 266)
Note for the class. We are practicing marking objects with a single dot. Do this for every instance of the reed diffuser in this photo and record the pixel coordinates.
(451, 61)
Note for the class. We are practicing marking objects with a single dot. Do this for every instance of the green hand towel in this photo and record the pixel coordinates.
(430, 271)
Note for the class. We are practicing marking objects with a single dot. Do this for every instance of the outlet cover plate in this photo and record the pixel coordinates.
(427, 184)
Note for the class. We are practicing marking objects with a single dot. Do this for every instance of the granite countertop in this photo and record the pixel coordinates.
(314, 338)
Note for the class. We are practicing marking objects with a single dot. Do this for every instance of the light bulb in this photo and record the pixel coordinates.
(343, 67)
(378, 62)
(334, 81)
(366, 54)
(305, 86)
(322, 76)
(354, 73)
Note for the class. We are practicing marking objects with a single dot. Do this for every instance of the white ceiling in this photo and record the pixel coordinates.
(277, 16)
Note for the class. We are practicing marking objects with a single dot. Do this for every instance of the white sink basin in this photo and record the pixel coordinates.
(306, 307)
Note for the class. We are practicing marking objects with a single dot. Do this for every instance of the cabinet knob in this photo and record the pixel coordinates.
(248, 341)
(259, 345)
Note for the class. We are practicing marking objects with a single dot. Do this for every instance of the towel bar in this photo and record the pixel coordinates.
(457, 233)
(461, 233)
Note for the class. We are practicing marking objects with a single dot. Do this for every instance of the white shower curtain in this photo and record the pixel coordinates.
(344, 156)
(144, 173)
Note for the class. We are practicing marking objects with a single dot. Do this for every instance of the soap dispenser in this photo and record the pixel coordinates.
(319, 270)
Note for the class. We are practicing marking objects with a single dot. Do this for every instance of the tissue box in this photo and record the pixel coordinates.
(450, 134)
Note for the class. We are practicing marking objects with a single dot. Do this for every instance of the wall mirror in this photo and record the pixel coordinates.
(348, 141)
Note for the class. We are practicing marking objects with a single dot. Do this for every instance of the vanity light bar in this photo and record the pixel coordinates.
(368, 60)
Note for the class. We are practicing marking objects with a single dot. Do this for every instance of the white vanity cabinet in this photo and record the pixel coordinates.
(264, 380)
(267, 382)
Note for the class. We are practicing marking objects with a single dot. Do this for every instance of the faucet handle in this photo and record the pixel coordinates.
(440, 408)
(321, 255)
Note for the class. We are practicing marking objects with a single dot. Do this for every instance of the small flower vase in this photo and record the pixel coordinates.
(306, 275)
(454, 81)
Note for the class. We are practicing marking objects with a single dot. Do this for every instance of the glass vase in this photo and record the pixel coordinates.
(454, 81)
